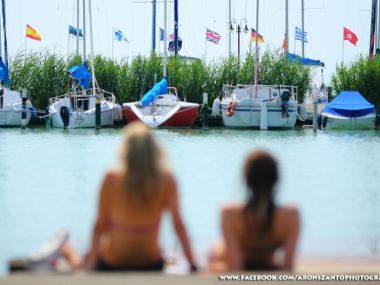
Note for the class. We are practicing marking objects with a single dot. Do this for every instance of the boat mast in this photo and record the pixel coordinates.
(175, 28)
(286, 26)
(303, 27)
(84, 31)
(372, 30)
(377, 43)
(257, 46)
(229, 30)
(92, 50)
(1, 51)
(154, 26)
(77, 27)
(165, 37)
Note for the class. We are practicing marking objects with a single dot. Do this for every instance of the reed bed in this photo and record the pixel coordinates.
(45, 75)
(361, 75)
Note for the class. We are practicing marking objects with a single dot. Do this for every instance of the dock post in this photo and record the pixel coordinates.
(263, 116)
(315, 115)
(97, 114)
(205, 111)
(24, 96)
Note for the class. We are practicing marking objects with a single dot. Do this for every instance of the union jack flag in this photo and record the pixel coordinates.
(212, 36)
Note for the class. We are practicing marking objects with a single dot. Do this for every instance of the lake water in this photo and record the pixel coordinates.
(50, 178)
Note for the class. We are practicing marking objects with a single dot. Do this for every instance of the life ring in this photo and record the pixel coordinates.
(231, 108)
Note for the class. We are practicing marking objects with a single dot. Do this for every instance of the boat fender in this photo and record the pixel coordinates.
(231, 108)
(215, 107)
(324, 122)
(65, 115)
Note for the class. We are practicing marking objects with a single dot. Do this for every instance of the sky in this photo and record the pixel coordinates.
(324, 21)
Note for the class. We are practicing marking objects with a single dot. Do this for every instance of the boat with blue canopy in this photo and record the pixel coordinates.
(348, 111)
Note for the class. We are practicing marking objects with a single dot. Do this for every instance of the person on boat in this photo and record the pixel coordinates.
(285, 97)
(132, 201)
(254, 231)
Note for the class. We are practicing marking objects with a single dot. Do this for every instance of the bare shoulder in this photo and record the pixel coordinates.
(232, 209)
(289, 211)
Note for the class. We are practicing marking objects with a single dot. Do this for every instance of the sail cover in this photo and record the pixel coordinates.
(158, 89)
(349, 104)
(81, 73)
(303, 60)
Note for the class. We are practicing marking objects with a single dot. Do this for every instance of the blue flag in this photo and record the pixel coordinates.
(162, 35)
(119, 36)
(75, 32)
(81, 73)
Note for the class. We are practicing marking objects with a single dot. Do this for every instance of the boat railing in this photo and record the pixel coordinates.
(173, 90)
(104, 95)
(228, 89)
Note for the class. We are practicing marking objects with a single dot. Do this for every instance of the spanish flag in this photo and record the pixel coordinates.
(253, 36)
(32, 33)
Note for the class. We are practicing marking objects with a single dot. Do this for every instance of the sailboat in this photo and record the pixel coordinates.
(78, 109)
(258, 106)
(161, 107)
(15, 110)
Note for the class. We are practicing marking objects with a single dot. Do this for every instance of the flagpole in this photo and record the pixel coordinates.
(25, 51)
(113, 35)
(68, 47)
(205, 45)
(343, 48)
(77, 27)
(287, 26)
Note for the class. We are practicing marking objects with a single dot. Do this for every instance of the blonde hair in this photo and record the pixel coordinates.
(143, 161)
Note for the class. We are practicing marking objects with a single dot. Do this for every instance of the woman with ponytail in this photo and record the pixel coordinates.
(256, 230)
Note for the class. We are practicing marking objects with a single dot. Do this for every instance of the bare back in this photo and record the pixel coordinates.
(248, 247)
(131, 225)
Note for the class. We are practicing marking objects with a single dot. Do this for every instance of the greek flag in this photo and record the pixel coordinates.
(298, 35)
(119, 36)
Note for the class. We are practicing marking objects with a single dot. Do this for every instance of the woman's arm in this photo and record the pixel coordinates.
(233, 249)
(100, 224)
(292, 237)
(178, 223)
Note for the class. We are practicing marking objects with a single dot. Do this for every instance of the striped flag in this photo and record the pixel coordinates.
(32, 33)
(253, 36)
(298, 35)
(212, 36)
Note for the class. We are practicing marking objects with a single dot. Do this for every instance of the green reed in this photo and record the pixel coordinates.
(45, 75)
(361, 75)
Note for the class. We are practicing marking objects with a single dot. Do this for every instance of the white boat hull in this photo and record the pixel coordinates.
(246, 116)
(11, 110)
(335, 122)
(109, 113)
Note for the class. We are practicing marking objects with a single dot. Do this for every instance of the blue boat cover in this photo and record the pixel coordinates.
(81, 73)
(303, 60)
(349, 104)
(158, 89)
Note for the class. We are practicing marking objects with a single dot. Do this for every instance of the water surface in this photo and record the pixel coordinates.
(50, 178)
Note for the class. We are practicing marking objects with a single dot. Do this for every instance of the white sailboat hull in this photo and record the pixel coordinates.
(11, 110)
(83, 117)
(258, 106)
(249, 116)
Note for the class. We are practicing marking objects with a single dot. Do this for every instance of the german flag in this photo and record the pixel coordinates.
(253, 36)
(32, 33)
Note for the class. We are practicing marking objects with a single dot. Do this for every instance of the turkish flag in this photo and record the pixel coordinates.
(349, 36)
